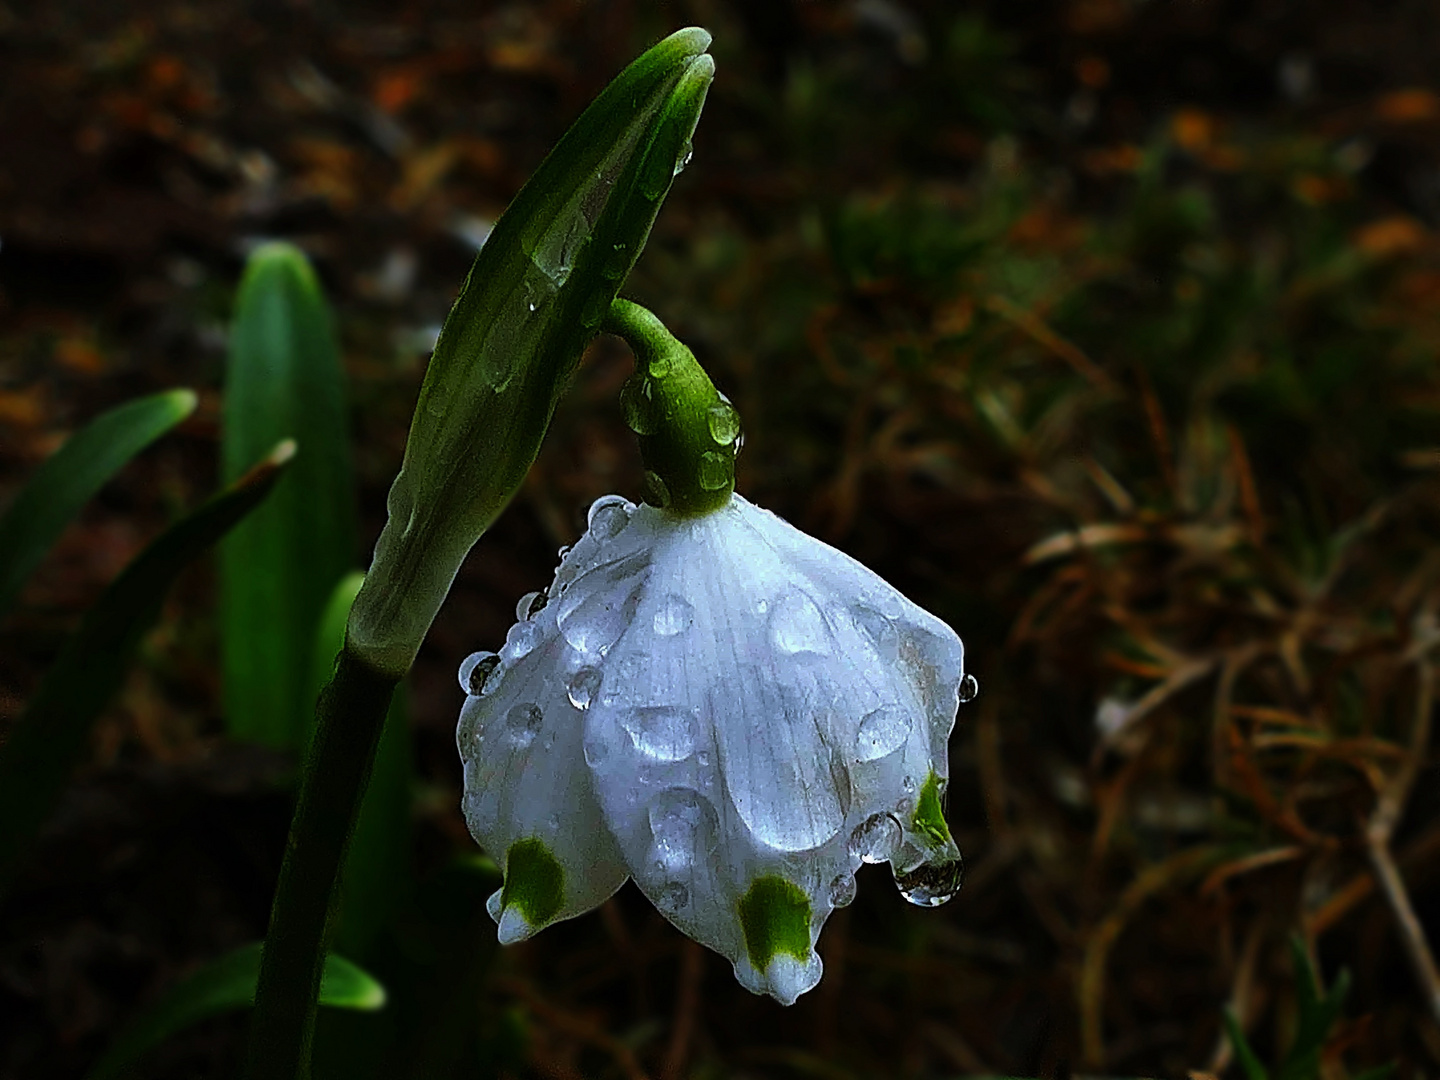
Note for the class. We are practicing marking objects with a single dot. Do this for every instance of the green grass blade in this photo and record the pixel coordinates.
(283, 380)
(67, 480)
(535, 296)
(51, 733)
(377, 875)
(1245, 1054)
(225, 985)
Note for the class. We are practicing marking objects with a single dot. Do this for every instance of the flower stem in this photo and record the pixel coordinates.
(688, 432)
(350, 716)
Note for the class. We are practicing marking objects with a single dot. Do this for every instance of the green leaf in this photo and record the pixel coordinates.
(51, 733)
(535, 296)
(67, 480)
(377, 875)
(225, 985)
(283, 380)
(1244, 1053)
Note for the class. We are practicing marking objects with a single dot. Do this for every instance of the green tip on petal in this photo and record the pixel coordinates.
(929, 818)
(534, 882)
(775, 915)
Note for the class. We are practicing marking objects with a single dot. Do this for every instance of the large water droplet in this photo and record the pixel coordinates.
(716, 470)
(608, 517)
(683, 824)
(521, 640)
(660, 365)
(931, 883)
(875, 839)
(842, 890)
(642, 415)
(882, 732)
(522, 723)
(600, 604)
(582, 687)
(880, 629)
(672, 897)
(796, 625)
(531, 604)
(656, 491)
(475, 671)
(673, 616)
(724, 423)
(661, 732)
(969, 689)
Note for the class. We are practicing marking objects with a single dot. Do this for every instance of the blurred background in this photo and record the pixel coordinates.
(1105, 329)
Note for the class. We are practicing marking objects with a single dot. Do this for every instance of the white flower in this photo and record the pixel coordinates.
(730, 712)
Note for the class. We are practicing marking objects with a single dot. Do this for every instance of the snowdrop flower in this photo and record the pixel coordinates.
(723, 708)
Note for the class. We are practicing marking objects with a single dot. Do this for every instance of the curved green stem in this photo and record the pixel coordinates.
(349, 719)
(688, 432)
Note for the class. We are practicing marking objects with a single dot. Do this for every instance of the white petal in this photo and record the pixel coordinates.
(521, 742)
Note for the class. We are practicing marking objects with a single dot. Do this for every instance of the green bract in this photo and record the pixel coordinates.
(535, 296)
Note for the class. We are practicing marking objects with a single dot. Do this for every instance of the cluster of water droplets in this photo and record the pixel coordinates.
(740, 700)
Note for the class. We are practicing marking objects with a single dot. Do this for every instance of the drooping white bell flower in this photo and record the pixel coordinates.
(725, 709)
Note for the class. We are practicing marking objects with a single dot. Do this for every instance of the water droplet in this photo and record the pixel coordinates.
(661, 732)
(683, 824)
(882, 732)
(656, 493)
(703, 758)
(475, 671)
(762, 606)
(532, 305)
(969, 688)
(608, 517)
(661, 364)
(672, 897)
(637, 401)
(842, 890)
(724, 423)
(909, 784)
(522, 638)
(522, 723)
(582, 687)
(674, 616)
(716, 470)
(599, 605)
(597, 751)
(875, 839)
(683, 162)
(931, 883)
(879, 629)
(531, 604)
(796, 625)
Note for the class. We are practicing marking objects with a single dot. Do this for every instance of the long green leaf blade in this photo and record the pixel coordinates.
(74, 473)
(225, 985)
(45, 742)
(283, 380)
(377, 874)
(535, 296)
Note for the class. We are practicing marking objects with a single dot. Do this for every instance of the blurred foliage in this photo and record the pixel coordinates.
(1106, 330)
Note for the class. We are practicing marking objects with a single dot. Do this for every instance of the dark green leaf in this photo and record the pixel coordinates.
(277, 570)
(73, 474)
(535, 296)
(1244, 1053)
(51, 733)
(225, 985)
